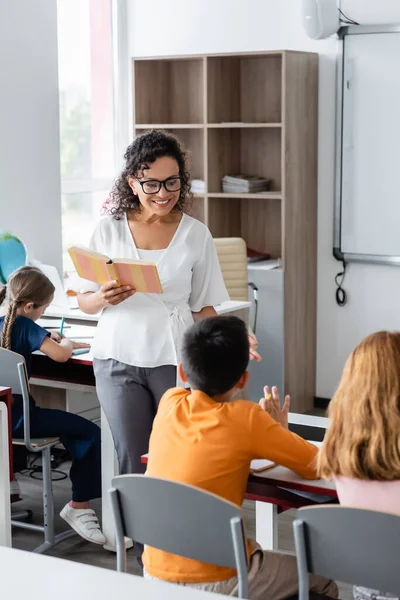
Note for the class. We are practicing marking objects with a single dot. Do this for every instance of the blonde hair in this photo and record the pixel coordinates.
(363, 440)
(27, 284)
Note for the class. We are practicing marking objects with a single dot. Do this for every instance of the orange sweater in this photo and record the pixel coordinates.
(210, 445)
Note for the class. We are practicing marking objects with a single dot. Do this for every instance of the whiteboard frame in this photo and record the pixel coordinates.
(337, 221)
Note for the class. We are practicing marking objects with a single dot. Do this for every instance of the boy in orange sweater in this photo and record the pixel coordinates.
(205, 438)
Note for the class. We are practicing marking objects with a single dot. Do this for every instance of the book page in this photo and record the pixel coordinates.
(143, 277)
(90, 265)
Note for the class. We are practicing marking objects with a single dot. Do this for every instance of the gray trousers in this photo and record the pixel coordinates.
(129, 397)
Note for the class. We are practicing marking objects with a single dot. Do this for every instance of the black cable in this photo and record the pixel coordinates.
(341, 295)
(35, 471)
(346, 19)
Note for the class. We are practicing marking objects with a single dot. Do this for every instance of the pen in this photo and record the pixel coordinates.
(62, 326)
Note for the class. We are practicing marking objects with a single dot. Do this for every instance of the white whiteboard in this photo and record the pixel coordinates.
(370, 152)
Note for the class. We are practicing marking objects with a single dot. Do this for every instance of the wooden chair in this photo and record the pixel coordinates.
(232, 255)
(352, 545)
(13, 374)
(180, 519)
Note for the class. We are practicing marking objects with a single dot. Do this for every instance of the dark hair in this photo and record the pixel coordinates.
(215, 354)
(143, 151)
(26, 284)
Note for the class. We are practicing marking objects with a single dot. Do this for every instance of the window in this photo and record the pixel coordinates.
(87, 131)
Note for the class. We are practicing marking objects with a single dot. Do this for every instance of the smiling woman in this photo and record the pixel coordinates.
(138, 338)
(141, 177)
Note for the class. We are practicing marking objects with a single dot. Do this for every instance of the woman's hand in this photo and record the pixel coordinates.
(253, 352)
(272, 405)
(110, 294)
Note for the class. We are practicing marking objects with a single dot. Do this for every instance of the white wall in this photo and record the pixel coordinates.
(176, 27)
(371, 12)
(30, 197)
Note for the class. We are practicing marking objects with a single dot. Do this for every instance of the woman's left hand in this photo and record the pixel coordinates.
(253, 352)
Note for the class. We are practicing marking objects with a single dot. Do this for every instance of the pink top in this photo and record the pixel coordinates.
(372, 495)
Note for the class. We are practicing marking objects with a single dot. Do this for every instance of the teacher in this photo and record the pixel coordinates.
(136, 347)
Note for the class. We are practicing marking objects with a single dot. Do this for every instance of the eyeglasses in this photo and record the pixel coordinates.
(153, 186)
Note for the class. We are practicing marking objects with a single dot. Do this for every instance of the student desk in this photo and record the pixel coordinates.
(273, 489)
(6, 399)
(76, 376)
(5, 466)
(47, 578)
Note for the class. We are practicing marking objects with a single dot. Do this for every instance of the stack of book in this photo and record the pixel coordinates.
(244, 184)
(198, 186)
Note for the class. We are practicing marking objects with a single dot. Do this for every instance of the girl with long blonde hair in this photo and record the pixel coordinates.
(361, 449)
(28, 293)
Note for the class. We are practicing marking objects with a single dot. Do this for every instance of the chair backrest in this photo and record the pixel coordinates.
(9, 375)
(180, 519)
(232, 255)
(13, 374)
(352, 545)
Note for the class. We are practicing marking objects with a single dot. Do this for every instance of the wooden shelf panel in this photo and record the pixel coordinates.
(242, 125)
(224, 217)
(261, 225)
(192, 140)
(245, 89)
(198, 209)
(258, 222)
(226, 125)
(169, 126)
(244, 151)
(257, 196)
(168, 91)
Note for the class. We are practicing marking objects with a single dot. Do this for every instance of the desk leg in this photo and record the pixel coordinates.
(267, 525)
(5, 508)
(109, 468)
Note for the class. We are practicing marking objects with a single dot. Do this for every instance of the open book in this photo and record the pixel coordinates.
(142, 276)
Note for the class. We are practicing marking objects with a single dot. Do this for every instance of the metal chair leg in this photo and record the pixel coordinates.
(48, 502)
(50, 539)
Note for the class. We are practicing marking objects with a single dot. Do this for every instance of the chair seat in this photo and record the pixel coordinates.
(36, 442)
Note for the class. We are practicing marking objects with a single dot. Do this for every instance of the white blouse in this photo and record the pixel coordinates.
(146, 330)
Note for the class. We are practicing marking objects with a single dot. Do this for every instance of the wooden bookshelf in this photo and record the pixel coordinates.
(256, 114)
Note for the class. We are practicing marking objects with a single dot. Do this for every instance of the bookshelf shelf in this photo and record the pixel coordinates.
(243, 125)
(250, 114)
(169, 126)
(256, 196)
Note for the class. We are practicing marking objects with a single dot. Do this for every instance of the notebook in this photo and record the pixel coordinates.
(142, 276)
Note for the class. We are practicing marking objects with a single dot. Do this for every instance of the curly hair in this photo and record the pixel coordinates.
(143, 151)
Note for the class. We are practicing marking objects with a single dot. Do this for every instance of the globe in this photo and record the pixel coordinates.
(13, 255)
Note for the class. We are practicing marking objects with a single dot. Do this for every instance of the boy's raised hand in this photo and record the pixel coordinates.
(271, 404)
(254, 355)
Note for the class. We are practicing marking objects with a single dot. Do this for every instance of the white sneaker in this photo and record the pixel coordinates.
(113, 548)
(84, 522)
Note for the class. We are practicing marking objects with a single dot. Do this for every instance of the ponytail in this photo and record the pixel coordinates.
(3, 292)
(8, 325)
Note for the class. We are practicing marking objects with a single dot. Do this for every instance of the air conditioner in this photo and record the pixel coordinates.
(323, 18)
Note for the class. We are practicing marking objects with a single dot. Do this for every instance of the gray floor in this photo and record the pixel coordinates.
(78, 550)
